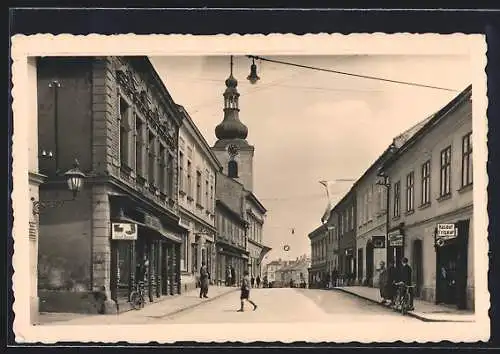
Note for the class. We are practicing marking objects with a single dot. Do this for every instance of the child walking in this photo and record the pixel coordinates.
(245, 292)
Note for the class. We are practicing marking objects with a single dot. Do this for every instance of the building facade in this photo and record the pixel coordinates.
(371, 201)
(270, 271)
(124, 225)
(346, 223)
(255, 216)
(332, 247)
(198, 168)
(318, 273)
(431, 205)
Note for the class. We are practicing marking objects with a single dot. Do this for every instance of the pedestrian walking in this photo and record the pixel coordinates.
(245, 292)
(204, 277)
(252, 281)
(258, 281)
(405, 277)
(229, 281)
(335, 277)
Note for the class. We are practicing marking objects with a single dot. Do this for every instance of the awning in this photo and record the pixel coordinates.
(169, 236)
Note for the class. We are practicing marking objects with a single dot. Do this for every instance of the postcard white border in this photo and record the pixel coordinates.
(24, 47)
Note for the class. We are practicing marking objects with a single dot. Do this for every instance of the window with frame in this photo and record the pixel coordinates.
(151, 158)
(445, 175)
(189, 179)
(181, 171)
(212, 198)
(139, 147)
(125, 132)
(352, 217)
(410, 191)
(162, 166)
(426, 183)
(467, 160)
(170, 175)
(207, 195)
(397, 199)
(198, 187)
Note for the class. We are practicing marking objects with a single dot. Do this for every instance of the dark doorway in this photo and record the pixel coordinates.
(369, 263)
(446, 278)
(451, 268)
(164, 269)
(417, 266)
(360, 266)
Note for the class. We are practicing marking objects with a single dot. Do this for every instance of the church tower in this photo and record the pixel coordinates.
(232, 148)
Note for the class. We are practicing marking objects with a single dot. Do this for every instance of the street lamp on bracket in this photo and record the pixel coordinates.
(74, 179)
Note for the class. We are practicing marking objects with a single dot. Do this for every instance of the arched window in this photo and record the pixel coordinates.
(232, 169)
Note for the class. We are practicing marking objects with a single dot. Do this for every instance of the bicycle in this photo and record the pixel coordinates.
(403, 297)
(137, 296)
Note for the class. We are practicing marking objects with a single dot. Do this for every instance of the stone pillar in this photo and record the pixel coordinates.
(101, 246)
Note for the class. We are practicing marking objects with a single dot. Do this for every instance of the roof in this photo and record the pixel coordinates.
(429, 124)
(254, 198)
(317, 231)
(231, 212)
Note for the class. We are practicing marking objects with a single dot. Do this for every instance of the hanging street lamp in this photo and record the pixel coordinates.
(74, 179)
(253, 77)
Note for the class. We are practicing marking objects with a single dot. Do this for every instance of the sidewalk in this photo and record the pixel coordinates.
(424, 310)
(150, 313)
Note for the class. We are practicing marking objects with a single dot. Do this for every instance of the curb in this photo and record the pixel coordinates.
(175, 312)
(410, 313)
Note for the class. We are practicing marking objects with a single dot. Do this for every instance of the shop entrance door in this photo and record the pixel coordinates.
(417, 266)
(360, 266)
(164, 268)
(446, 277)
(369, 264)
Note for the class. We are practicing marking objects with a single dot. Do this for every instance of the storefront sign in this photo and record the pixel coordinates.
(121, 231)
(395, 239)
(446, 231)
(153, 221)
(378, 241)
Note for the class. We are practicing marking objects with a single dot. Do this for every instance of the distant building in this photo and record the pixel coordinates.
(271, 268)
(294, 273)
(431, 205)
(318, 274)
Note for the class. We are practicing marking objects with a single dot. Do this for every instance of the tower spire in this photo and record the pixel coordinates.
(231, 127)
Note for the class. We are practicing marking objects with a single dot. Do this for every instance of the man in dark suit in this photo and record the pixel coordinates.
(406, 278)
(392, 277)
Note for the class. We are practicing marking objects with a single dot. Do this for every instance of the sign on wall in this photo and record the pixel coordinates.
(123, 231)
(447, 231)
(378, 241)
(395, 239)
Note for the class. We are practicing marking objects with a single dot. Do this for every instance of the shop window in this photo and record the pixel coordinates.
(426, 183)
(445, 175)
(467, 160)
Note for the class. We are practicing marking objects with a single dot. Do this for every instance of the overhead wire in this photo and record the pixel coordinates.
(351, 74)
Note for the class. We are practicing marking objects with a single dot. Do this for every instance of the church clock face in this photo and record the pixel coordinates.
(232, 150)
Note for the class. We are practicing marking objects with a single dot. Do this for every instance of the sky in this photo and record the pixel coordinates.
(309, 126)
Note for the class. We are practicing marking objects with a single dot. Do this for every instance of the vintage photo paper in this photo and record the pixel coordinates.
(173, 188)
